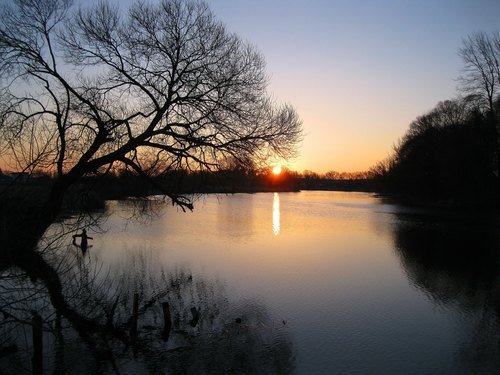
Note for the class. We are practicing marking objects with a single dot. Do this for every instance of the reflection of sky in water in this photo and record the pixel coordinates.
(333, 273)
(276, 214)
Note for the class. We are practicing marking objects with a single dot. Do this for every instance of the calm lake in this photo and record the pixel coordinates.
(349, 283)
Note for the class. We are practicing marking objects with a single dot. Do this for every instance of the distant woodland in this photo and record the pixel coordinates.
(448, 156)
(451, 154)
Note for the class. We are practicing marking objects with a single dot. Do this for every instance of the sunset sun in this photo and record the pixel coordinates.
(277, 170)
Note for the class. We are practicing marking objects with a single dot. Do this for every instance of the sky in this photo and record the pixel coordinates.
(357, 71)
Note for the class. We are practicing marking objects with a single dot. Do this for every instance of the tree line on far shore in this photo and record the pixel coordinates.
(452, 153)
(449, 154)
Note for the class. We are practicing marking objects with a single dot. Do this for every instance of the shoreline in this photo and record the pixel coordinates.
(95, 196)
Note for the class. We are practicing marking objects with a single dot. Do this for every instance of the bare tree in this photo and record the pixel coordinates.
(480, 53)
(447, 113)
(84, 90)
(163, 86)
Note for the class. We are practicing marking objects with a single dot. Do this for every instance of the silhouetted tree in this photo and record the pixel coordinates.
(162, 86)
(480, 53)
(332, 175)
(453, 150)
(380, 172)
(445, 154)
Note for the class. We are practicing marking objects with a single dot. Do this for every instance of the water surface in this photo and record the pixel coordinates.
(358, 284)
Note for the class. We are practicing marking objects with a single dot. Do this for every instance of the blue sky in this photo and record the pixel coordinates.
(357, 71)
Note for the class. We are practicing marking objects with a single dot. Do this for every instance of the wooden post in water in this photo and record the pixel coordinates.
(7, 350)
(133, 329)
(196, 316)
(59, 360)
(37, 360)
(167, 326)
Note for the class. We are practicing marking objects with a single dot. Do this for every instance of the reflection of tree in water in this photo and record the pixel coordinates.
(227, 337)
(457, 264)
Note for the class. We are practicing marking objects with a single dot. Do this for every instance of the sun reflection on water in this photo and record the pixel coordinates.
(276, 214)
